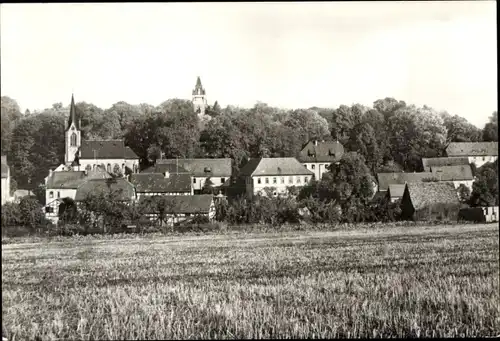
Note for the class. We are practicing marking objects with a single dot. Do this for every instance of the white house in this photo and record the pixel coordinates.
(276, 174)
(318, 155)
(477, 152)
(219, 171)
(5, 181)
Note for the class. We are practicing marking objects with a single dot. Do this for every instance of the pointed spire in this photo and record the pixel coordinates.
(72, 114)
(198, 89)
(198, 83)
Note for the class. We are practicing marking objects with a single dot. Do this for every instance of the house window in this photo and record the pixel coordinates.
(108, 168)
(135, 168)
(259, 181)
(73, 140)
(484, 158)
(222, 180)
(282, 179)
(267, 180)
(290, 179)
(58, 194)
(306, 179)
(51, 194)
(313, 166)
(305, 165)
(93, 167)
(194, 180)
(298, 179)
(275, 181)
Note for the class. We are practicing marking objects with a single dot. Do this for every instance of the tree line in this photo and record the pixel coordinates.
(390, 136)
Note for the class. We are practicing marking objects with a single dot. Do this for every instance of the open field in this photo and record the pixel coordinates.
(400, 282)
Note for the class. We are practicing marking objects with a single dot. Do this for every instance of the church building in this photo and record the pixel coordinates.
(110, 155)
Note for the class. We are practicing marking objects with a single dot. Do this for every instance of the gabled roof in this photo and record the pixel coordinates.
(428, 163)
(172, 168)
(385, 179)
(321, 151)
(130, 154)
(123, 189)
(202, 167)
(65, 180)
(472, 149)
(396, 190)
(453, 173)
(157, 182)
(5, 167)
(274, 166)
(424, 194)
(105, 149)
(179, 204)
(198, 89)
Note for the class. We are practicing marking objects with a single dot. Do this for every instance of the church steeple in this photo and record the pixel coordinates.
(72, 115)
(199, 98)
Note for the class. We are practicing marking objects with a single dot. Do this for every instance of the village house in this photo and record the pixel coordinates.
(219, 171)
(64, 184)
(458, 175)
(5, 180)
(478, 153)
(276, 174)
(386, 179)
(113, 155)
(318, 155)
(428, 163)
(151, 184)
(179, 208)
(430, 201)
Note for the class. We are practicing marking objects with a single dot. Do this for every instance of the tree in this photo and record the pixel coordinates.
(459, 129)
(11, 115)
(490, 131)
(208, 187)
(307, 125)
(125, 114)
(67, 211)
(342, 123)
(388, 106)
(463, 193)
(485, 188)
(362, 140)
(31, 212)
(11, 215)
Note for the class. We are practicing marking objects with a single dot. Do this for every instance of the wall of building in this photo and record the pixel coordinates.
(467, 183)
(122, 163)
(490, 213)
(197, 183)
(318, 168)
(70, 151)
(6, 189)
(138, 195)
(257, 184)
(481, 160)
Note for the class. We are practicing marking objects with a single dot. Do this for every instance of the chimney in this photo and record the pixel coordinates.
(167, 175)
(50, 172)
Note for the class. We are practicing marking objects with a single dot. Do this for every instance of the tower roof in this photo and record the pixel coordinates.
(72, 114)
(198, 89)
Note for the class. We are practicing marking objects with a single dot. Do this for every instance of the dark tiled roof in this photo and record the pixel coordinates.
(396, 190)
(274, 166)
(202, 167)
(453, 173)
(156, 182)
(123, 189)
(180, 204)
(130, 154)
(472, 149)
(65, 180)
(385, 179)
(105, 149)
(424, 194)
(172, 168)
(5, 167)
(324, 151)
(428, 163)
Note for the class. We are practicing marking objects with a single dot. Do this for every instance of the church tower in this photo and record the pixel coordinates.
(73, 138)
(199, 98)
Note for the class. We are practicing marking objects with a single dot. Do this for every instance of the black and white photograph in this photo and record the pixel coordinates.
(249, 170)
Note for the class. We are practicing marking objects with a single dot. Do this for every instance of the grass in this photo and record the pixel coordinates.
(440, 281)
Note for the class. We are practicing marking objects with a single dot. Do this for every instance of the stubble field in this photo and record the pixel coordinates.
(389, 282)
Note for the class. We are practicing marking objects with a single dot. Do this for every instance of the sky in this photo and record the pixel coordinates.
(291, 55)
